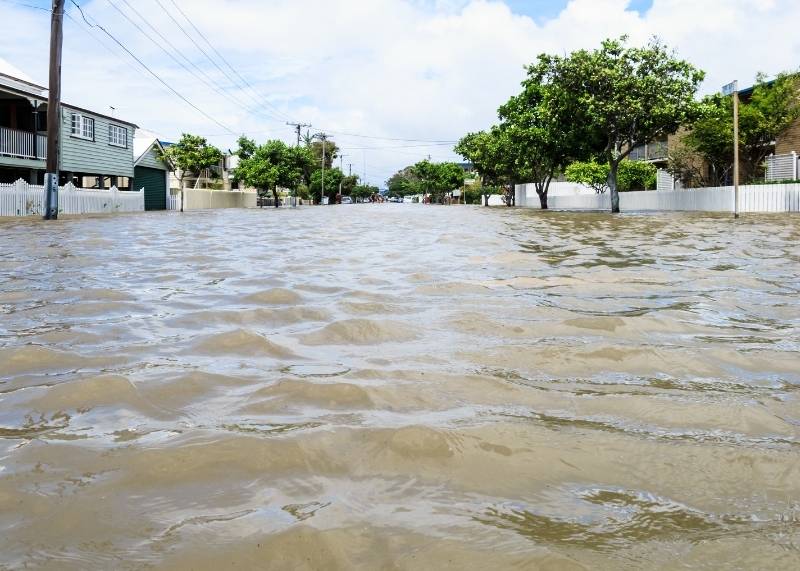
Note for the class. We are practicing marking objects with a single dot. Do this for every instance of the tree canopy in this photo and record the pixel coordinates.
(192, 154)
(632, 175)
(426, 177)
(705, 154)
(272, 165)
(617, 97)
(332, 179)
(436, 179)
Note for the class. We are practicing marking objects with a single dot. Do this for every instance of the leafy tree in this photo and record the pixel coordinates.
(364, 191)
(331, 152)
(590, 173)
(706, 154)
(539, 145)
(191, 155)
(473, 195)
(247, 147)
(438, 178)
(271, 166)
(632, 175)
(404, 183)
(492, 154)
(348, 184)
(623, 96)
(333, 177)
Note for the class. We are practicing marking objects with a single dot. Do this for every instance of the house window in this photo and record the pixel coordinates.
(82, 126)
(117, 136)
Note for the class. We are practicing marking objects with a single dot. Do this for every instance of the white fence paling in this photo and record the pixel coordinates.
(754, 198)
(23, 199)
(783, 167)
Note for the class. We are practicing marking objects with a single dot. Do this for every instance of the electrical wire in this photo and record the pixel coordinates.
(150, 71)
(208, 57)
(258, 99)
(205, 80)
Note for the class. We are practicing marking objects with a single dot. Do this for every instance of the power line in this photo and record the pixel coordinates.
(443, 142)
(205, 53)
(257, 98)
(150, 71)
(208, 82)
(425, 146)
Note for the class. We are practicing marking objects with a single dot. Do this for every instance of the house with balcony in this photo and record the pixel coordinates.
(782, 164)
(96, 149)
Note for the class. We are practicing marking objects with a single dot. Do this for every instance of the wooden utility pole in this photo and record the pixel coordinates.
(324, 138)
(54, 112)
(297, 127)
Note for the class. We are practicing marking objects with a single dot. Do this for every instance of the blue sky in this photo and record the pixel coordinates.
(542, 10)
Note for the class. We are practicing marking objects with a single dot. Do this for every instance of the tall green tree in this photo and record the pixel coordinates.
(622, 96)
(539, 145)
(492, 154)
(404, 183)
(332, 178)
(331, 152)
(271, 166)
(364, 191)
(436, 179)
(191, 155)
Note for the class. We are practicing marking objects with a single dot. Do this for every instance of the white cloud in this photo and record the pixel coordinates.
(419, 69)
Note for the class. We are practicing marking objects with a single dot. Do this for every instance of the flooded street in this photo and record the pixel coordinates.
(400, 387)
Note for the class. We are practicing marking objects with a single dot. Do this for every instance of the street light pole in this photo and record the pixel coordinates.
(733, 89)
(736, 150)
(54, 111)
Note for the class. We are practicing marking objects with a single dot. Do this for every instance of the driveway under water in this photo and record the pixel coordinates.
(400, 387)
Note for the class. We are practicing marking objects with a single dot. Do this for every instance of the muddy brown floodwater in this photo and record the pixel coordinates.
(400, 387)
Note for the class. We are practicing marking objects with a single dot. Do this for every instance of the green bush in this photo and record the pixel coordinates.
(632, 175)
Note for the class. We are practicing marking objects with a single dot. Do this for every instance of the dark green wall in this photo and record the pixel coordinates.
(155, 187)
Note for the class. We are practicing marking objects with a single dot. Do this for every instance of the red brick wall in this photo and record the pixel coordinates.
(790, 141)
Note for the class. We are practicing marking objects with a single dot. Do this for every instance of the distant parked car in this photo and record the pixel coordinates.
(347, 200)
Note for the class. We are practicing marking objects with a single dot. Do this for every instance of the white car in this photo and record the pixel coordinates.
(347, 200)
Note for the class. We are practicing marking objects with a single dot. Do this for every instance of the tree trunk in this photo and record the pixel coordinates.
(275, 196)
(486, 200)
(542, 199)
(612, 186)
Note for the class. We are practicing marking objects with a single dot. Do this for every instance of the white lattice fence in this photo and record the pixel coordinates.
(783, 167)
(23, 199)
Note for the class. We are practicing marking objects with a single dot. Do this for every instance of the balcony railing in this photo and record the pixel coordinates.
(22, 144)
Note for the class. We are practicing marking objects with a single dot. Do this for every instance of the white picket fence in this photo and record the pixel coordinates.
(755, 198)
(23, 199)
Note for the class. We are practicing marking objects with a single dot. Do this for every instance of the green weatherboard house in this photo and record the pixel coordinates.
(96, 149)
(151, 173)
